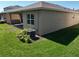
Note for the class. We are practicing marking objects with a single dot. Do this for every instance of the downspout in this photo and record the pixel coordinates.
(73, 16)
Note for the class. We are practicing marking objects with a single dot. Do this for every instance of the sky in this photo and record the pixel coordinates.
(68, 4)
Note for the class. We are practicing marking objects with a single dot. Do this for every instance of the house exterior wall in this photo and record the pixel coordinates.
(50, 21)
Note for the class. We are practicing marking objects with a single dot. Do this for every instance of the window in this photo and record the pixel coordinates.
(28, 16)
(32, 16)
(30, 19)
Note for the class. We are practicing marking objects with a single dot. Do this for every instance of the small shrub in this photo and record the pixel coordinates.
(29, 39)
(24, 37)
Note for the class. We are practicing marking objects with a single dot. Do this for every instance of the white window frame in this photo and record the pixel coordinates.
(31, 18)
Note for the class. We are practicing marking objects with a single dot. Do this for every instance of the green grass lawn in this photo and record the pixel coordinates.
(61, 43)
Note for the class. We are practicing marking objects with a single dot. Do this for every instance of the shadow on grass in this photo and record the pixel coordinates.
(64, 36)
(19, 26)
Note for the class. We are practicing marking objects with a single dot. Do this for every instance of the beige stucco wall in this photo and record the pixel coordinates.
(51, 21)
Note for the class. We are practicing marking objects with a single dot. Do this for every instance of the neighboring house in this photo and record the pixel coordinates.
(12, 7)
(12, 18)
(45, 17)
(1, 16)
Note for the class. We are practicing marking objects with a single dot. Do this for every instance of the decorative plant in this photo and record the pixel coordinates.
(24, 36)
